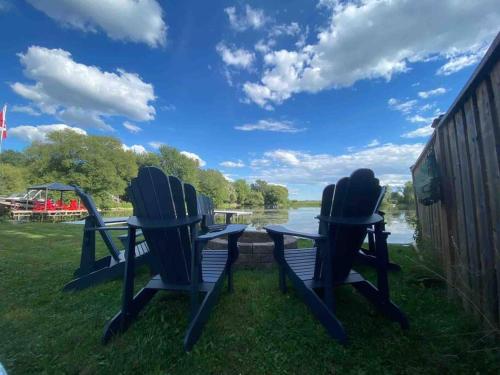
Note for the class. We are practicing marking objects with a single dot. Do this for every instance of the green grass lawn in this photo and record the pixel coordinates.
(253, 331)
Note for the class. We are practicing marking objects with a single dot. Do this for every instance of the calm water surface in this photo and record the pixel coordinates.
(399, 222)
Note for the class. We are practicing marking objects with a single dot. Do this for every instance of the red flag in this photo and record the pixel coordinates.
(3, 123)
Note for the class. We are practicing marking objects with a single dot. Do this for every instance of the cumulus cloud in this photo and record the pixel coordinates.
(382, 49)
(419, 118)
(389, 161)
(156, 145)
(402, 106)
(192, 155)
(424, 131)
(240, 58)
(38, 133)
(373, 143)
(249, 18)
(136, 149)
(270, 126)
(81, 94)
(232, 164)
(458, 63)
(430, 93)
(29, 110)
(132, 128)
(129, 20)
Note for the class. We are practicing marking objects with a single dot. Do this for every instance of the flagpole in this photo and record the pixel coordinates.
(4, 125)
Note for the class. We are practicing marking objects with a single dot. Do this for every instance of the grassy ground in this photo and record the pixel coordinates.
(255, 330)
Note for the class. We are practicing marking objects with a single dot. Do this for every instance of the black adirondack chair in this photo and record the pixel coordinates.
(368, 256)
(91, 271)
(347, 211)
(167, 213)
(207, 210)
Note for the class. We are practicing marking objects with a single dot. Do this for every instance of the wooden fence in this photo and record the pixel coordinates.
(464, 226)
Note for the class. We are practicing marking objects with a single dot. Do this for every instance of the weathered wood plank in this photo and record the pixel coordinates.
(488, 124)
(469, 212)
(484, 230)
(460, 234)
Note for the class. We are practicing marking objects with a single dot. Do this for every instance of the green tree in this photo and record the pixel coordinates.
(173, 163)
(254, 199)
(242, 192)
(275, 196)
(13, 158)
(214, 184)
(97, 164)
(148, 159)
(409, 194)
(13, 179)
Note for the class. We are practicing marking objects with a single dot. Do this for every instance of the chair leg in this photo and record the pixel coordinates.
(96, 277)
(319, 309)
(195, 328)
(122, 320)
(385, 306)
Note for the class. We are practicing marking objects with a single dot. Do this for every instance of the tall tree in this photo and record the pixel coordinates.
(173, 163)
(96, 163)
(214, 184)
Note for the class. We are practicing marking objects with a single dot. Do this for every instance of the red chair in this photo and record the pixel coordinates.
(51, 206)
(38, 206)
(73, 205)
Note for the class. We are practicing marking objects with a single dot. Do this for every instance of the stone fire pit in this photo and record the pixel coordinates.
(256, 248)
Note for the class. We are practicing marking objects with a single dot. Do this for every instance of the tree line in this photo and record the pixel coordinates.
(103, 168)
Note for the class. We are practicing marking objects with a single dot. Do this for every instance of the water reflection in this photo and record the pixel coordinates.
(399, 222)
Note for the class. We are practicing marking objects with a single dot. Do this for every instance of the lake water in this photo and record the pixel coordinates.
(399, 222)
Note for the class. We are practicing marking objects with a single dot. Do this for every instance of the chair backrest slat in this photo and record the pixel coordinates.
(156, 196)
(99, 221)
(354, 196)
(206, 208)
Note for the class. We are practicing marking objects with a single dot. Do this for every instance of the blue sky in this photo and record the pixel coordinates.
(299, 93)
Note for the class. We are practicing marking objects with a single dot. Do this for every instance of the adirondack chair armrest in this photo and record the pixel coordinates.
(230, 230)
(144, 223)
(280, 230)
(104, 229)
(114, 221)
(352, 221)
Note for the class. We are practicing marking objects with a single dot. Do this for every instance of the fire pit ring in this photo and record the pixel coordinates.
(256, 248)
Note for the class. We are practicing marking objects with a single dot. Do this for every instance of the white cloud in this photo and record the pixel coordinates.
(402, 106)
(81, 94)
(389, 161)
(156, 145)
(458, 63)
(239, 58)
(381, 50)
(430, 93)
(249, 18)
(38, 133)
(228, 177)
(132, 128)
(373, 143)
(424, 131)
(130, 20)
(29, 110)
(136, 149)
(290, 29)
(232, 164)
(419, 118)
(271, 126)
(192, 155)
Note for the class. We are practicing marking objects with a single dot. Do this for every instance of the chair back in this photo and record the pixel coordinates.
(206, 209)
(157, 196)
(356, 196)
